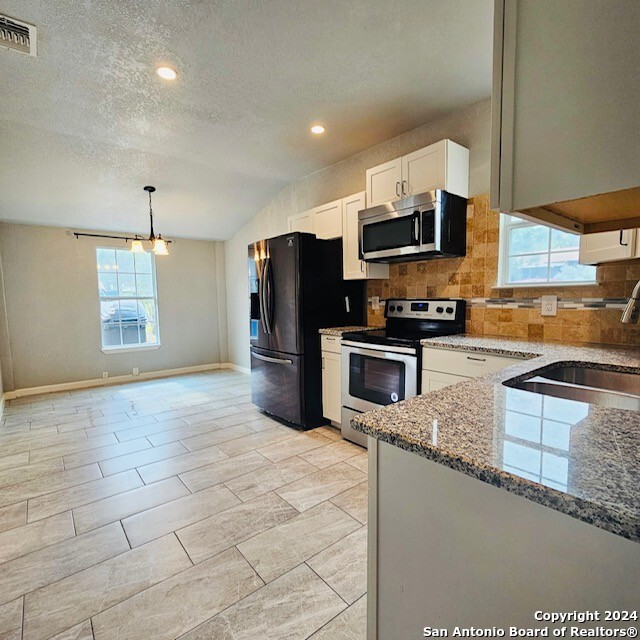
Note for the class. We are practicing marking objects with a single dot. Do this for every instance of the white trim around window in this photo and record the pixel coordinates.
(128, 300)
(543, 254)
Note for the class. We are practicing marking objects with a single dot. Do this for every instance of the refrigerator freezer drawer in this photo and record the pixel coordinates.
(277, 384)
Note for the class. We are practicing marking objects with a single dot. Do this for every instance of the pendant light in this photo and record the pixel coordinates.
(158, 244)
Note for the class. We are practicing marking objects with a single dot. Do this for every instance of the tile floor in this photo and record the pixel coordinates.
(174, 509)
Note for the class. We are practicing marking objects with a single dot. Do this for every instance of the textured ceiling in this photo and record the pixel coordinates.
(86, 124)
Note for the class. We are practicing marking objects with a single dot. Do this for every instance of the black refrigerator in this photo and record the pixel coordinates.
(295, 288)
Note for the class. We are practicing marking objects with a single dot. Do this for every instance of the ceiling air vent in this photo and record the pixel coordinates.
(17, 35)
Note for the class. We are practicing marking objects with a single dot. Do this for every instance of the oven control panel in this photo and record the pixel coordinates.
(439, 309)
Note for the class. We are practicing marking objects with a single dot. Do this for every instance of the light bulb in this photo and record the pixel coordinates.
(167, 73)
(136, 247)
(160, 247)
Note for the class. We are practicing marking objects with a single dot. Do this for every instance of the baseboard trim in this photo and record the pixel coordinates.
(106, 382)
(235, 367)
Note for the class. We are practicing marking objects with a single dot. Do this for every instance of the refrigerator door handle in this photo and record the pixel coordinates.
(268, 297)
(261, 297)
(272, 360)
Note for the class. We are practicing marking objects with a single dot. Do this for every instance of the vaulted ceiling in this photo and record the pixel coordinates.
(87, 123)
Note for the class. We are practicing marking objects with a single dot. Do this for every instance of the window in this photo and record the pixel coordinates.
(532, 254)
(128, 300)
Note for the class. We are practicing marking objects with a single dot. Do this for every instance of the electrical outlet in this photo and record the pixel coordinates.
(549, 306)
(136, 371)
(105, 375)
(375, 302)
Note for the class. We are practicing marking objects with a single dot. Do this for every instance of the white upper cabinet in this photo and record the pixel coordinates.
(443, 165)
(384, 182)
(608, 246)
(565, 112)
(302, 222)
(339, 219)
(327, 220)
(353, 267)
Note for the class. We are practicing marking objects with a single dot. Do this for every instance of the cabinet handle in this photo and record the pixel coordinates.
(624, 244)
(405, 191)
(476, 359)
(323, 362)
(398, 189)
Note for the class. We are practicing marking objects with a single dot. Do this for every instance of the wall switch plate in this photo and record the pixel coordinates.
(375, 302)
(549, 306)
(136, 371)
(105, 375)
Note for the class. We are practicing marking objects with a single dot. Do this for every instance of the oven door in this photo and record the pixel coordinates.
(394, 233)
(375, 376)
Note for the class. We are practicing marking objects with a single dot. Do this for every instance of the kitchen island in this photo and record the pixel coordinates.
(489, 503)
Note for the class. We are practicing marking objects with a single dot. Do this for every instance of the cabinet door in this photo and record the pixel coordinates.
(331, 386)
(302, 222)
(424, 170)
(353, 268)
(384, 183)
(558, 134)
(608, 246)
(432, 380)
(327, 220)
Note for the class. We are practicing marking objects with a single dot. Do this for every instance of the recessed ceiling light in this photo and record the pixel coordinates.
(167, 73)
(317, 129)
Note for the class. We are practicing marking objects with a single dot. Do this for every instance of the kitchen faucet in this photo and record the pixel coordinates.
(632, 310)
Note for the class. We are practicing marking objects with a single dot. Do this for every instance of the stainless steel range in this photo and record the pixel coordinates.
(382, 367)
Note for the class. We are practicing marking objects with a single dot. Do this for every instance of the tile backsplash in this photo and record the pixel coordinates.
(585, 313)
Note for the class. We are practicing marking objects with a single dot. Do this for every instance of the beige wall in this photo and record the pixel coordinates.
(52, 329)
(469, 126)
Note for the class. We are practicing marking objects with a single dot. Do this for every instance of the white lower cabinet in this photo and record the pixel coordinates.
(444, 367)
(331, 378)
(432, 380)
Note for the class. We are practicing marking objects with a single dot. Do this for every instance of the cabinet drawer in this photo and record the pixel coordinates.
(463, 363)
(330, 343)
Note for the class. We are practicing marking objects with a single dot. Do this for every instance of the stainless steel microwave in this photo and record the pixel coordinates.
(429, 225)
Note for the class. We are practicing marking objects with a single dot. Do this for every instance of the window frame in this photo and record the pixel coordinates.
(126, 348)
(503, 258)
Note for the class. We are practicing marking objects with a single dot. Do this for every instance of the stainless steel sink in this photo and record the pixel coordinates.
(585, 383)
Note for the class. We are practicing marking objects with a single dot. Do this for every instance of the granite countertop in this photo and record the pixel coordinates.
(578, 458)
(338, 331)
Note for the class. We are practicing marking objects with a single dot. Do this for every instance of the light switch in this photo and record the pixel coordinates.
(375, 302)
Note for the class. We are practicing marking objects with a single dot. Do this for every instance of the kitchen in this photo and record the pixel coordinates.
(388, 384)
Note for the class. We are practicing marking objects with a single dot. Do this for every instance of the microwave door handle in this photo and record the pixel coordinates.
(415, 228)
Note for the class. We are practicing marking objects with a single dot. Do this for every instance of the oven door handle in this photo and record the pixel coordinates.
(375, 349)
